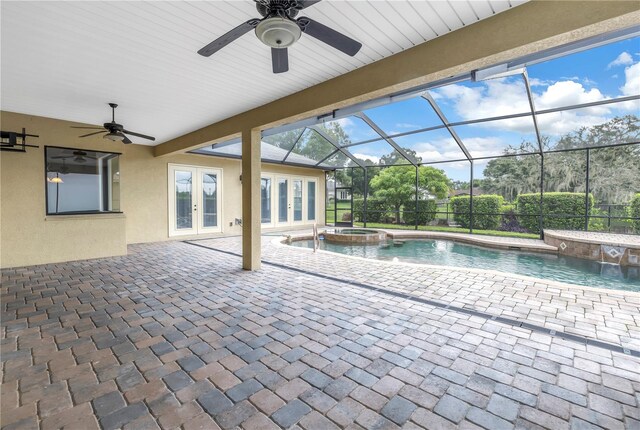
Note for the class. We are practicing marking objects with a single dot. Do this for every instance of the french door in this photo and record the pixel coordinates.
(294, 199)
(195, 200)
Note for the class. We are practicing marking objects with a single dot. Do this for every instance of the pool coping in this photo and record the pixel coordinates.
(565, 285)
(572, 236)
(485, 241)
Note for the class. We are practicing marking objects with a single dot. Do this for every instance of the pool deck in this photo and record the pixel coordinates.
(175, 335)
(595, 313)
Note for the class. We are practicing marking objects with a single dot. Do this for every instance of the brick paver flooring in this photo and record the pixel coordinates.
(177, 336)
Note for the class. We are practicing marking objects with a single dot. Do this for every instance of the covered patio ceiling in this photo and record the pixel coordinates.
(522, 107)
(66, 60)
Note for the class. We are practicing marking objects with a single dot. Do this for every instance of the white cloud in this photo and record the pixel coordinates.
(407, 125)
(487, 146)
(373, 158)
(632, 80)
(535, 82)
(494, 98)
(446, 149)
(559, 123)
(624, 59)
(345, 122)
(507, 96)
(631, 87)
(566, 93)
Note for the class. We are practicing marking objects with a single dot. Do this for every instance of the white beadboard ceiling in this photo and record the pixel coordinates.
(66, 60)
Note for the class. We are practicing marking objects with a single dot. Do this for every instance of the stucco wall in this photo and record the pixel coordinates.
(28, 236)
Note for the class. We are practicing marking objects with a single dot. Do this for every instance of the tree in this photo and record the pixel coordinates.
(613, 172)
(353, 177)
(459, 185)
(512, 176)
(396, 158)
(312, 144)
(397, 185)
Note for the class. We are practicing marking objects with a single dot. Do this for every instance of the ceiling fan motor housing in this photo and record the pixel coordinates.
(278, 32)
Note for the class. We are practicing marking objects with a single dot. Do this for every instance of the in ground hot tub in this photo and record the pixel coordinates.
(354, 236)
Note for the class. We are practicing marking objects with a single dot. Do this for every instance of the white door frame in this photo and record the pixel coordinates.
(197, 207)
(275, 201)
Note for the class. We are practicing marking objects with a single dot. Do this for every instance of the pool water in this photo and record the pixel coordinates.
(448, 253)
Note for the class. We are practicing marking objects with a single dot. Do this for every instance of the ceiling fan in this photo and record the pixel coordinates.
(279, 28)
(58, 170)
(114, 130)
(78, 156)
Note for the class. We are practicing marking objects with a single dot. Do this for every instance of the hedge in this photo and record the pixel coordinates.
(483, 208)
(377, 210)
(568, 210)
(508, 208)
(426, 212)
(634, 212)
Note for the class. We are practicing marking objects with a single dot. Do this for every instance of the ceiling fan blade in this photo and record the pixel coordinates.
(88, 128)
(279, 60)
(229, 37)
(126, 139)
(329, 36)
(144, 136)
(303, 4)
(91, 134)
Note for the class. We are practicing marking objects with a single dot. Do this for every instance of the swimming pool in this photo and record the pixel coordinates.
(448, 253)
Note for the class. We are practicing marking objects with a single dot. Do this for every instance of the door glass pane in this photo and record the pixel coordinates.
(183, 182)
(311, 200)
(209, 200)
(283, 185)
(297, 200)
(265, 198)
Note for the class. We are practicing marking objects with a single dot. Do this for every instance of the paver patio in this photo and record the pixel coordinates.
(177, 336)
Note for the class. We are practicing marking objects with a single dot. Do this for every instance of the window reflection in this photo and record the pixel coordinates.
(81, 181)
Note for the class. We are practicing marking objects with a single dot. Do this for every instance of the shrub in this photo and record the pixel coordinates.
(486, 211)
(564, 211)
(426, 212)
(510, 222)
(597, 224)
(634, 212)
(377, 210)
(507, 208)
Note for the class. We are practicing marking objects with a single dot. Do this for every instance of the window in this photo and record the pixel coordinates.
(265, 198)
(311, 200)
(81, 181)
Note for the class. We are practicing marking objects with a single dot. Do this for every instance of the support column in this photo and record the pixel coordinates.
(251, 240)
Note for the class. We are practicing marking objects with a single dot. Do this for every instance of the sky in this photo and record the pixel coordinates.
(601, 73)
